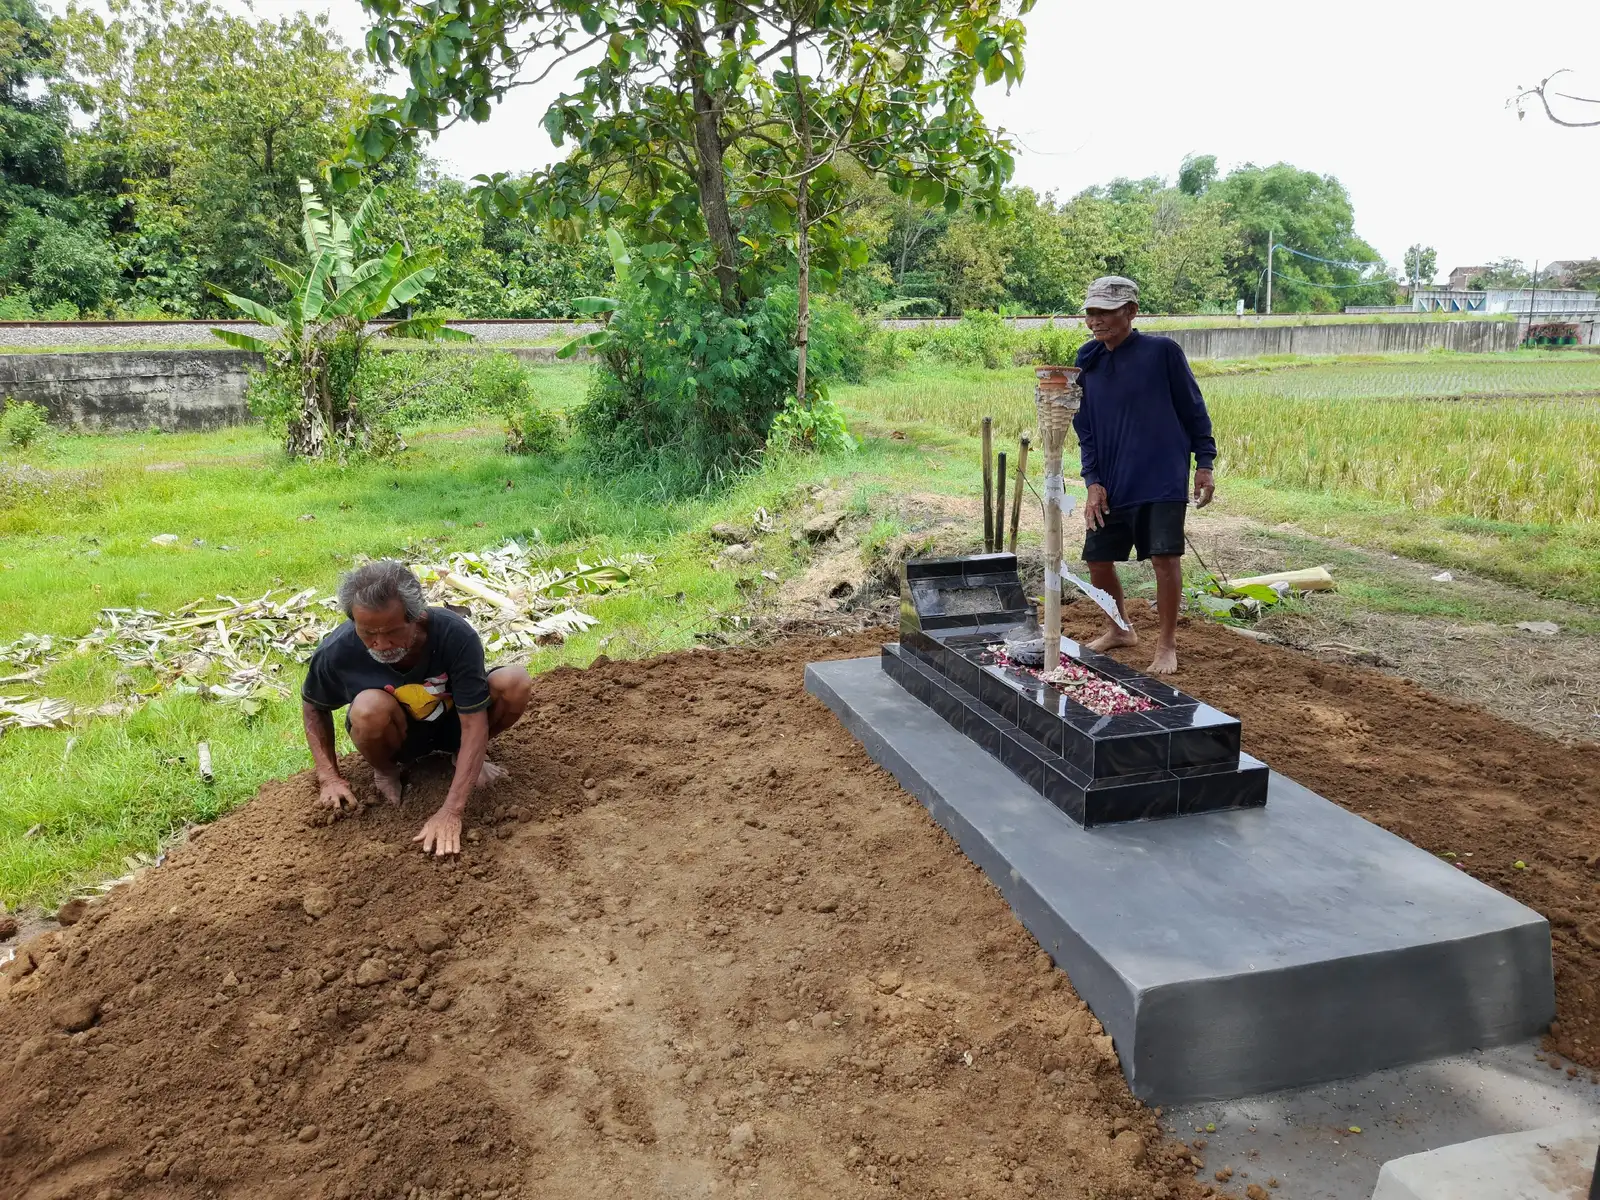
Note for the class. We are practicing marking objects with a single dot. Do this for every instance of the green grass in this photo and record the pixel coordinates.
(1502, 486)
(118, 785)
(1518, 474)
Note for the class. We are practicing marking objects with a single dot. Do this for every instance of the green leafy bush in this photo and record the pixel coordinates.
(23, 424)
(531, 429)
(818, 425)
(689, 390)
(978, 339)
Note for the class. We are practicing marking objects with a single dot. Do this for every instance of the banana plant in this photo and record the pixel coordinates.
(319, 335)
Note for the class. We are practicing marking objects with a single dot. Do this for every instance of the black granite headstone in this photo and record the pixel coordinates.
(1180, 756)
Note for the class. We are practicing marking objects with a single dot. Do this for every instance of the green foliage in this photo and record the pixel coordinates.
(1043, 256)
(978, 339)
(316, 357)
(532, 429)
(54, 253)
(1503, 273)
(202, 124)
(688, 390)
(817, 425)
(23, 424)
(489, 265)
(1308, 212)
(1228, 604)
(1420, 264)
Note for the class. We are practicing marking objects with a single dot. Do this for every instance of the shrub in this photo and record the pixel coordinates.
(23, 424)
(688, 390)
(1055, 345)
(531, 430)
(817, 425)
(978, 339)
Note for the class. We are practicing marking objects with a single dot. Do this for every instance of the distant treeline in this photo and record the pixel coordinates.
(148, 153)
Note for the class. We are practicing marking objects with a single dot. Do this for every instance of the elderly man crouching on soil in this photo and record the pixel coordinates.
(414, 679)
(1141, 420)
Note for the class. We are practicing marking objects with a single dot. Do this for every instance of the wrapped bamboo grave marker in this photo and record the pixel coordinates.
(1056, 395)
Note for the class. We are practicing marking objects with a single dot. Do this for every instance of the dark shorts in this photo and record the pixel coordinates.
(1154, 529)
(439, 736)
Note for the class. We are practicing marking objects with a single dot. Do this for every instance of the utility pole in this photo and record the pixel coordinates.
(1271, 237)
(1533, 295)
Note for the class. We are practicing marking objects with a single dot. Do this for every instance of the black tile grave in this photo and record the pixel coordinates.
(1180, 757)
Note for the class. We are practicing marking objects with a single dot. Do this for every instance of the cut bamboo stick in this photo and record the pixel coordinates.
(988, 484)
(1016, 487)
(472, 587)
(1000, 502)
(1309, 579)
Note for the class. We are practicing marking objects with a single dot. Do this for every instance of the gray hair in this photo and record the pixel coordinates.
(379, 584)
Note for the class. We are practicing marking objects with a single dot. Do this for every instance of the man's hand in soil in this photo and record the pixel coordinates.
(1204, 487)
(336, 794)
(1095, 507)
(442, 833)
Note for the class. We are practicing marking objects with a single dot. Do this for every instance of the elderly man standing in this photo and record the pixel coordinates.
(1141, 420)
(414, 681)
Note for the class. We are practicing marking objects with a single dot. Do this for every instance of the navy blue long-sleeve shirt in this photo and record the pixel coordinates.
(1141, 418)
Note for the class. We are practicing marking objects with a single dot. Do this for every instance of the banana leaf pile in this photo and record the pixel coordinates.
(246, 652)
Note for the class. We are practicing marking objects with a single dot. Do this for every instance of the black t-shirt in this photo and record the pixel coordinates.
(449, 675)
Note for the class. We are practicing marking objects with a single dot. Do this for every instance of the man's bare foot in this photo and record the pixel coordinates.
(1114, 637)
(388, 785)
(489, 773)
(1165, 662)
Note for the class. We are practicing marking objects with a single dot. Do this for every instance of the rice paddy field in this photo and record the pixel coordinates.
(1508, 438)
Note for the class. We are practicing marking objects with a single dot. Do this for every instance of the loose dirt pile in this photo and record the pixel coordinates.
(1445, 776)
(701, 946)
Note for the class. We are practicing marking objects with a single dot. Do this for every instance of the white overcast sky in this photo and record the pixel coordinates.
(1402, 100)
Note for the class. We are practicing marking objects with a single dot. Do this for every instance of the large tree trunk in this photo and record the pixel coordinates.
(802, 321)
(710, 179)
(802, 249)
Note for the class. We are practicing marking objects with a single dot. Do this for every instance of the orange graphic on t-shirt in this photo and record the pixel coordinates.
(425, 701)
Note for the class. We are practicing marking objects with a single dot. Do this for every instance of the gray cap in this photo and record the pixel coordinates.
(1111, 291)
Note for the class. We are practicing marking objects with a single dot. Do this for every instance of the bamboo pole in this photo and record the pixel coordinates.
(1016, 487)
(1000, 501)
(1056, 397)
(988, 484)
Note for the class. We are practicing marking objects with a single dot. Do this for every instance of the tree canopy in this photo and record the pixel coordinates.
(152, 147)
(53, 245)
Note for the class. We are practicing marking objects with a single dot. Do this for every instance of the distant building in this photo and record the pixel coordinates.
(1571, 272)
(1503, 300)
(1461, 276)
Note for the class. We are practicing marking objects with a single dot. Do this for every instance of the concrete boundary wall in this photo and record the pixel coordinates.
(25, 335)
(112, 390)
(1252, 341)
(127, 390)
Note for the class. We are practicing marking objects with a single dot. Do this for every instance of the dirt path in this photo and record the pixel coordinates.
(703, 947)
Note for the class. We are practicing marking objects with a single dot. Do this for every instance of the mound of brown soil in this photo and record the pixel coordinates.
(1442, 774)
(699, 945)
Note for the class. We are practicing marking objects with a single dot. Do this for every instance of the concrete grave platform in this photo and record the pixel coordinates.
(1542, 1164)
(1228, 953)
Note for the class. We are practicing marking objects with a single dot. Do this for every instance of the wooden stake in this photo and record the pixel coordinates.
(988, 484)
(1000, 502)
(1016, 487)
